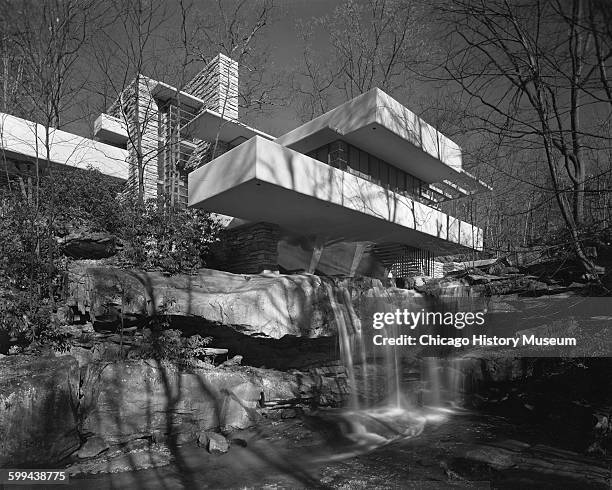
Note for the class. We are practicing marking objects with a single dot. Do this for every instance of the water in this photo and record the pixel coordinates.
(444, 382)
(394, 392)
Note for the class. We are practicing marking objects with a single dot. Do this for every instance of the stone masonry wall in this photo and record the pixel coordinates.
(249, 249)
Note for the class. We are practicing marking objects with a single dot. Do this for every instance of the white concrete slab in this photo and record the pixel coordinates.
(27, 139)
(263, 181)
(380, 125)
(110, 129)
(209, 125)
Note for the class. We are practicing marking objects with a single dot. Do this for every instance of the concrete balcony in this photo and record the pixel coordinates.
(263, 181)
(110, 130)
(209, 125)
(26, 140)
(378, 124)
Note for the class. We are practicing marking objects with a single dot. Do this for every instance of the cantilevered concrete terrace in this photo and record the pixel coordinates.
(380, 125)
(275, 181)
(203, 122)
(24, 139)
(261, 180)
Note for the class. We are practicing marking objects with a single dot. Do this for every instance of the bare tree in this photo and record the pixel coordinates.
(11, 75)
(536, 75)
(372, 45)
(129, 42)
(236, 29)
(142, 42)
(45, 41)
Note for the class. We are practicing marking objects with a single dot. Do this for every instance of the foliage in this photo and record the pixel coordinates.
(30, 325)
(169, 345)
(33, 219)
(158, 236)
(84, 199)
(29, 270)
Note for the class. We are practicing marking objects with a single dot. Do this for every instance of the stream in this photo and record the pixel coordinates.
(304, 453)
(405, 425)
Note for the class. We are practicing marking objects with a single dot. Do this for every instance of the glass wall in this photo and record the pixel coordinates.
(360, 163)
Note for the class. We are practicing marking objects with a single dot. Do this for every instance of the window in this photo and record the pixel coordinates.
(403, 183)
(409, 184)
(357, 162)
(323, 154)
(375, 169)
(392, 178)
(384, 173)
(363, 163)
(353, 160)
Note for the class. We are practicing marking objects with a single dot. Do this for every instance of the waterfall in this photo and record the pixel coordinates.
(443, 382)
(349, 335)
(385, 402)
(370, 382)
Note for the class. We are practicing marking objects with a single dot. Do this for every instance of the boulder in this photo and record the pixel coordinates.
(234, 361)
(216, 443)
(90, 245)
(38, 410)
(202, 439)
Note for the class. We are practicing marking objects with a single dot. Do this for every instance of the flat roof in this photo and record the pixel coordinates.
(209, 125)
(381, 126)
(165, 91)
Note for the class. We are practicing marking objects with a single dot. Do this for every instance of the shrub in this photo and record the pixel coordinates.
(83, 199)
(173, 239)
(155, 235)
(170, 345)
(30, 279)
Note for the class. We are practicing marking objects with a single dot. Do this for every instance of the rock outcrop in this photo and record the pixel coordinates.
(47, 408)
(572, 467)
(261, 305)
(270, 304)
(38, 410)
(137, 399)
(90, 245)
(476, 283)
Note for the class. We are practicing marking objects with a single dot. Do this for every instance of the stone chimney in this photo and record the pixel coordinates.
(217, 86)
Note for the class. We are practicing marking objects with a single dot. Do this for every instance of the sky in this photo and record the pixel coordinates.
(285, 47)
(282, 44)
(284, 50)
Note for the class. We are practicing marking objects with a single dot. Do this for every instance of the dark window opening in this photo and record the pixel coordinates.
(362, 164)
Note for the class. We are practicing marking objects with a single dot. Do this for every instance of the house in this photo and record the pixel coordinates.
(355, 191)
